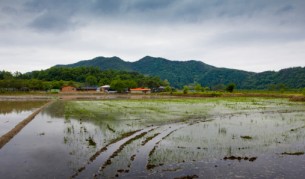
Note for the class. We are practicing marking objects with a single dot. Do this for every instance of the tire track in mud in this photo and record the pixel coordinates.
(140, 164)
(102, 158)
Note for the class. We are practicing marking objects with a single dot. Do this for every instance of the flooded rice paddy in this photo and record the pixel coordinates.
(160, 138)
(12, 112)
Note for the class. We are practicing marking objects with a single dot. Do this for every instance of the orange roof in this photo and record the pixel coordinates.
(140, 89)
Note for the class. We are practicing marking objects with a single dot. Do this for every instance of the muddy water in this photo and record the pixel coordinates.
(12, 112)
(208, 138)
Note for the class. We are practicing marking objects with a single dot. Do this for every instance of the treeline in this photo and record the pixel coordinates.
(29, 85)
(56, 77)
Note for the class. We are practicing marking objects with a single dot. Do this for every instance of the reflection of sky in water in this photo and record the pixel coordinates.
(45, 148)
(9, 121)
(13, 112)
(56, 142)
(7, 107)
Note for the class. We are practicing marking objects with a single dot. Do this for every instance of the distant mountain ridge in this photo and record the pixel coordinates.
(180, 73)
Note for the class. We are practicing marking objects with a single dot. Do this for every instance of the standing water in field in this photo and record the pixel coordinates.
(158, 138)
(13, 112)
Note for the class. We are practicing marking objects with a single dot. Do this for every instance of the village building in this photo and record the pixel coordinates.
(158, 89)
(140, 90)
(68, 89)
(88, 88)
(105, 88)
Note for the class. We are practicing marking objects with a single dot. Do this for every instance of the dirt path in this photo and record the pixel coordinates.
(4, 139)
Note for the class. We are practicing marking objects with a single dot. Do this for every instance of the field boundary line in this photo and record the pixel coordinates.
(4, 139)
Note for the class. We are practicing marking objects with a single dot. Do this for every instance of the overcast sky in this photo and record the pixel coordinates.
(252, 35)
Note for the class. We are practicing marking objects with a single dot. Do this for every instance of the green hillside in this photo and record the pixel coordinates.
(103, 63)
(180, 73)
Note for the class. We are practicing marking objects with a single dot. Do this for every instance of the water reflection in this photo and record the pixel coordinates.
(49, 147)
(189, 137)
(7, 107)
(13, 112)
(251, 135)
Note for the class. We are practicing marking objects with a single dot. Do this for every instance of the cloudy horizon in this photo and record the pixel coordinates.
(247, 35)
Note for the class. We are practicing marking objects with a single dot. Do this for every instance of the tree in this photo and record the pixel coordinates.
(17, 74)
(230, 87)
(205, 89)
(91, 80)
(119, 85)
(198, 87)
(168, 89)
(166, 82)
(130, 84)
(35, 84)
(55, 85)
(104, 81)
(5, 75)
(185, 89)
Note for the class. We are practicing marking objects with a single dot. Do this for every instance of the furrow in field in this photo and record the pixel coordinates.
(140, 163)
(108, 162)
(104, 155)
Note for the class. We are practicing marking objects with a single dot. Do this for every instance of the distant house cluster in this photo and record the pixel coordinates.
(107, 89)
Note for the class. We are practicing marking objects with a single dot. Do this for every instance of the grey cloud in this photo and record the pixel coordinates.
(63, 6)
(141, 27)
(9, 10)
(285, 9)
(255, 38)
(48, 22)
(156, 11)
(106, 7)
(55, 15)
(152, 5)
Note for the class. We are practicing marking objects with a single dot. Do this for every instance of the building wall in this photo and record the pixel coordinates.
(68, 89)
(104, 89)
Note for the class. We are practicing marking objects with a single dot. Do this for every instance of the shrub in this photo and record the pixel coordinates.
(185, 89)
(230, 88)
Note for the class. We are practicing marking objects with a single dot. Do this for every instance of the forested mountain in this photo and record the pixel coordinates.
(180, 73)
(113, 63)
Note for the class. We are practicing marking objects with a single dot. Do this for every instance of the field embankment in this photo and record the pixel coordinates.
(9, 135)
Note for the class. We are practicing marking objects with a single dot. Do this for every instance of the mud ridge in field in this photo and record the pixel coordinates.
(4, 139)
(104, 154)
(103, 149)
(140, 161)
(108, 162)
(93, 157)
(149, 166)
